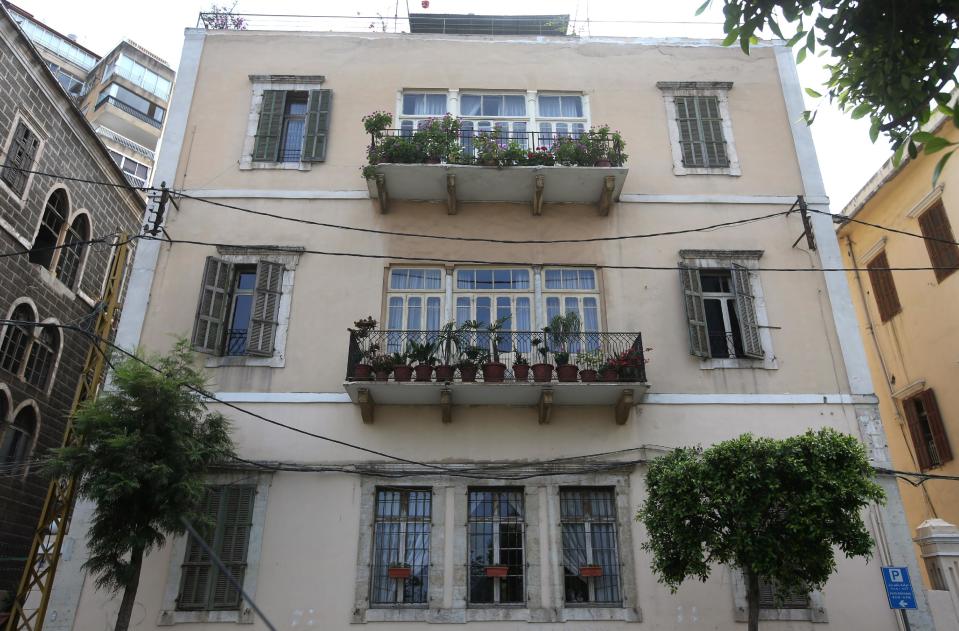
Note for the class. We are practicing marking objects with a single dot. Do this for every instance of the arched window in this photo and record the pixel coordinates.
(16, 339)
(4, 407)
(54, 219)
(43, 352)
(17, 439)
(71, 257)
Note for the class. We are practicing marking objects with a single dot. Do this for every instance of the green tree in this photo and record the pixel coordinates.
(895, 61)
(772, 508)
(142, 449)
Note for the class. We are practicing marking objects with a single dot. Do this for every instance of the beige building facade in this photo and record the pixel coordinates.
(491, 504)
(908, 326)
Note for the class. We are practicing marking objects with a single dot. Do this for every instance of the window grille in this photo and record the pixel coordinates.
(401, 539)
(495, 528)
(588, 522)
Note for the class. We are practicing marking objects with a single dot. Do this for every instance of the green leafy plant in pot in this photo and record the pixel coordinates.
(561, 329)
(368, 348)
(542, 371)
(448, 344)
(424, 354)
(520, 366)
(402, 371)
(591, 360)
(494, 371)
(382, 366)
(470, 362)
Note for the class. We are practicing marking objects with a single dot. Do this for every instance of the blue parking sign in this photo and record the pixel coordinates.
(898, 588)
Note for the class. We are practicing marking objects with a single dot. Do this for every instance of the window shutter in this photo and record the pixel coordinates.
(235, 540)
(695, 311)
(746, 312)
(935, 224)
(936, 427)
(918, 442)
(689, 136)
(317, 125)
(266, 306)
(211, 310)
(266, 145)
(197, 567)
(884, 287)
(21, 154)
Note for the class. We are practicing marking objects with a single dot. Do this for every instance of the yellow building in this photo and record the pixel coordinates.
(909, 323)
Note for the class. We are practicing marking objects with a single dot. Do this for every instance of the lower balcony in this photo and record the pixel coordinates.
(534, 369)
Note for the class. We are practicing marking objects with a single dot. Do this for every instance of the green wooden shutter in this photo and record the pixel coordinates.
(695, 310)
(317, 125)
(266, 146)
(689, 136)
(212, 307)
(711, 126)
(771, 596)
(746, 312)
(266, 306)
(234, 540)
(197, 568)
(936, 427)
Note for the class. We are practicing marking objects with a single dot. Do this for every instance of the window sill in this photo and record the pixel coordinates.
(245, 361)
(170, 618)
(810, 614)
(714, 363)
(249, 165)
(611, 613)
(731, 171)
(504, 613)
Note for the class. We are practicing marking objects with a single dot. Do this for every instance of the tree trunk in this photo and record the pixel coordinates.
(752, 598)
(130, 590)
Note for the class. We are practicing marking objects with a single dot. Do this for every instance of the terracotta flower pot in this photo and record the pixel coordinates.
(383, 375)
(603, 163)
(399, 572)
(587, 375)
(493, 372)
(402, 373)
(590, 570)
(468, 373)
(542, 373)
(497, 570)
(445, 372)
(610, 374)
(567, 372)
(521, 372)
(362, 372)
(424, 372)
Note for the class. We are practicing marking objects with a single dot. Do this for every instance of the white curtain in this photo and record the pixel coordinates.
(514, 106)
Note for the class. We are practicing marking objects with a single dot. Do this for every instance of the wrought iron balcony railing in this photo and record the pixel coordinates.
(461, 355)
(129, 110)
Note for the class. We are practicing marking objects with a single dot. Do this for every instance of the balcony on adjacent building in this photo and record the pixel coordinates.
(477, 164)
(536, 369)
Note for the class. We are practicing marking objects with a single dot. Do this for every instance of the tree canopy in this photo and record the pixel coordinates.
(772, 508)
(895, 61)
(141, 451)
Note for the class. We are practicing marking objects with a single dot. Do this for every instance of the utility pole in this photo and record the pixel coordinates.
(36, 584)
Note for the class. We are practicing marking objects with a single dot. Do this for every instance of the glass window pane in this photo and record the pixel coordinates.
(470, 105)
(587, 279)
(484, 279)
(552, 307)
(502, 279)
(433, 313)
(410, 102)
(572, 106)
(549, 106)
(465, 279)
(414, 311)
(554, 279)
(515, 105)
(394, 317)
(398, 278)
(435, 104)
(483, 309)
(463, 311)
(520, 279)
(492, 105)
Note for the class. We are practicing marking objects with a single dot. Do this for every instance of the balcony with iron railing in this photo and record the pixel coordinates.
(536, 369)
(450, 161)
(123, 107)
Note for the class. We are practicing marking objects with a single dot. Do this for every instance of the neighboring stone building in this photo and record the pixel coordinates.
(124, 94)
(910, 328)
(42, 130)
(502, 502)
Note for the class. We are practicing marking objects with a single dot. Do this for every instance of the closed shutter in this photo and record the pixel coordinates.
(936, 427)
(266, 145)
(934, 224)
(711, 122)
(266, 306)
(234, 541)
(197, 568)
(915, 431)
(771, 597)
(695, 311)
(317, 125)
(211, 310)
(689, 137)
(746, 312)
(883, 287)
(21, 154)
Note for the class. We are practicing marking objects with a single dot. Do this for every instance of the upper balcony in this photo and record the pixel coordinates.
(453, 162)
(536, 369)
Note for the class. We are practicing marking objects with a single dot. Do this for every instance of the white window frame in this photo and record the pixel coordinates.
(815, 612)
(404, 520)
(129, 175)
(724, 259)
(587, 529)
(259, 84)
(169, 614)
(289, 258)
(719, 90)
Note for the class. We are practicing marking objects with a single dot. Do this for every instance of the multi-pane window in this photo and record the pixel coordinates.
(927, 430)
(701, 137)
(293, 126)
(229, 511)
(573, 290)
(485, 295)
(883, 287)
(414, 302)
(51, 225)
(20, 157)
(940, 242)
(136, 173)
(17, 438)
(591, 569)
(57, 44)
(147, 110)
(721, 312)
(401, 546)
(497, 564)
(70, 83)
(503, 115)
(559, 116)
(418, 107)
(771, 596)
(16, 339)
(70, 256)
(43, 353)
(139, 75)
(238, 311)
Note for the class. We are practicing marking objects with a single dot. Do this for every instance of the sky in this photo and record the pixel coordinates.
(846, 156)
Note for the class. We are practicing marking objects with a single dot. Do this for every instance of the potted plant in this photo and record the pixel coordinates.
(591, 360)
(382, 367)
(542, 372)
(488, 150)
(399, 570)
(607, 371)
(561, 328)
(590, 570)
(402, 371)
(540, 156)
(520, 366)
(494, 371)
(513, 154)
(473, 356)
(448, 342)
(368, 349)
(500, 571)
(604, 146)
(627, 364)
(433, 139)
(377, 122)
(574, 151)
(424, 354)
